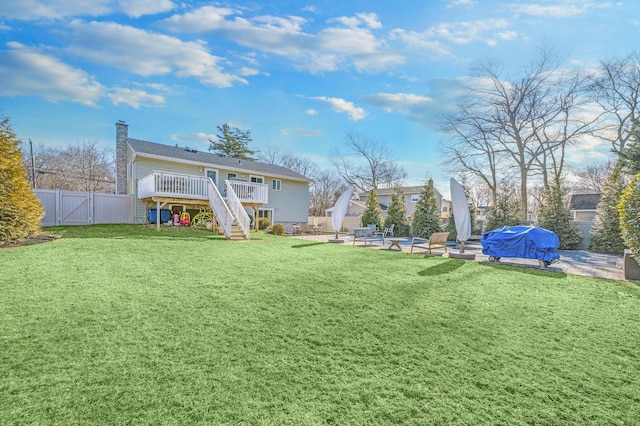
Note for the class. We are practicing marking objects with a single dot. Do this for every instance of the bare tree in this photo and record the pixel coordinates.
(472, 150)
(522, 124)
(80, 167)
(368, 165)
(324, 192)
(616, 88)
(593, 178)
(298, 164)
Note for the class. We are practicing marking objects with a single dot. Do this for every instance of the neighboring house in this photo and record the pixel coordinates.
(164, 177)
(355, 209)
(411, 197)
(583, 206)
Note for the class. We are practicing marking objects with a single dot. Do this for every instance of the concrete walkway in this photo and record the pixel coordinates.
(574, 262)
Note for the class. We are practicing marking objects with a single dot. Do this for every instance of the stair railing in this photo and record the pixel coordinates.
(242, 218)
(224, 216)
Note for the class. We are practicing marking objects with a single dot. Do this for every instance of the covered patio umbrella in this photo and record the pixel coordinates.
(340, 210)
(460, 212)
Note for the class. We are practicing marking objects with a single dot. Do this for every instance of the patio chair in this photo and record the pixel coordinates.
(437, 239)
(388, 232)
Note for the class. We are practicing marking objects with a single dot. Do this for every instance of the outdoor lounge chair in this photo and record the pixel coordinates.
(437, 239)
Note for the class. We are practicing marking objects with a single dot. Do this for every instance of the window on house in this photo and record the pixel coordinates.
(231, 176)
(276, 185)
(257, 179)
(415, 198)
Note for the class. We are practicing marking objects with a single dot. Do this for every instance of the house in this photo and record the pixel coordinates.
(178, 179)
(354, 209)
(411, 197)
(583, 206)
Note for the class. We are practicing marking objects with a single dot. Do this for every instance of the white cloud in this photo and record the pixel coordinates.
(57, 9)
(415, 107)
(507, 35)
(421, 41)
(54, 9)
(341, 105)
(329, 49)
(4, 27)
(199, 138)
(370, 20)
(138, 8)
(402, 102)
(467, 32)
(134, 97)
(26, 72)
(553, 10)
(456, 3)
(144, 53)
(426, 110)
(311, 112)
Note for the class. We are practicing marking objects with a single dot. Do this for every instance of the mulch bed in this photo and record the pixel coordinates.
(37, 239)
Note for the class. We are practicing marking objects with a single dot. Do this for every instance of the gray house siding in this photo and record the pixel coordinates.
(291, 203)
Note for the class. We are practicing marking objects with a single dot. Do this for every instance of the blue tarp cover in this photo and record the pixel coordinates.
(527, 242)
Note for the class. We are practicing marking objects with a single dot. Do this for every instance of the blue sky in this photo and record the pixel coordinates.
(298, 74)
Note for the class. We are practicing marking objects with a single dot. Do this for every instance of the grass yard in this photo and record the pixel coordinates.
(127, 325)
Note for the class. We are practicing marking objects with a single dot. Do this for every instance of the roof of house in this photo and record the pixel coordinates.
(584, 201)
(153, 149)
(389, 191)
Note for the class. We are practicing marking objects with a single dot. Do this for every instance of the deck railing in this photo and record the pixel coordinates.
(162, 184)
(174, 185)
(249, 192)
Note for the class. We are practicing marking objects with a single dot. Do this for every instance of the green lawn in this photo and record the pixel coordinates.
(127, 325)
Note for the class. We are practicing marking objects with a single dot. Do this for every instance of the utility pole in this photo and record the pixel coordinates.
(33, 165)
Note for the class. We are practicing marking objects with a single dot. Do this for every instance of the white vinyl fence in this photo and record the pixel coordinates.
(84, 208)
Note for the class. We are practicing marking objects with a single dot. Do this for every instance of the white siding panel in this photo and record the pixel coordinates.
(291, 203)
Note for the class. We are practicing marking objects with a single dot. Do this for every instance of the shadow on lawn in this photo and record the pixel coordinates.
(306, 245)
(442, 268)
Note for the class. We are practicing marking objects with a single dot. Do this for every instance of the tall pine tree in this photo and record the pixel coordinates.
(630, 156)
(372, 214)
(629, 211)
(232, 142)
(554, 214)
(20, 209)
(397, 215)
(506, 212)
(606, 236)
(426, 219)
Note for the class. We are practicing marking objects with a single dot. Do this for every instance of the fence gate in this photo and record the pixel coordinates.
(75, 208)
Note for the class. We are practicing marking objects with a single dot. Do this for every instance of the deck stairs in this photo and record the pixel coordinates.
(229, 212)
